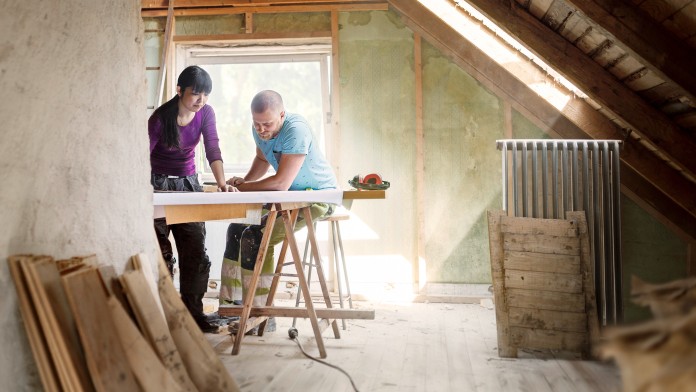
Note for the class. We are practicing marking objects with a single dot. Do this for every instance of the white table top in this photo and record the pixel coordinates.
(196, 198)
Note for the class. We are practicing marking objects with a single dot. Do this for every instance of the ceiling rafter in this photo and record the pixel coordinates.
(591, 78)
(645, 40)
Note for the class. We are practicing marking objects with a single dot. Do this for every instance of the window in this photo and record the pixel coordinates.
(299, 73)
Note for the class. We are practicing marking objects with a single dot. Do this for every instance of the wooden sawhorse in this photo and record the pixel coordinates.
(289, 213)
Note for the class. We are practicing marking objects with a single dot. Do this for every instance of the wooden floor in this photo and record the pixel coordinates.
(408, 347)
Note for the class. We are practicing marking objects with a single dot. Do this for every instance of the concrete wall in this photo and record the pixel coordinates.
(74, 149)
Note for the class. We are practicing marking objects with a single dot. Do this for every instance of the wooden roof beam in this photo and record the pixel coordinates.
(594, 80)
(149, 4)
(325, 6)
(644, 39)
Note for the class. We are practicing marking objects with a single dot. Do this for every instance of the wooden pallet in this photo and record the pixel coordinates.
(543, 285)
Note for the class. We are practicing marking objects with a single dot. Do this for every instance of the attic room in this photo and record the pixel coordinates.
(441, 98)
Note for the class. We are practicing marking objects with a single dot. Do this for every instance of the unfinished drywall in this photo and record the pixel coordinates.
(74, 153)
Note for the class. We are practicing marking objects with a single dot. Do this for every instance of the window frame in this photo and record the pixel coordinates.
(257, 52)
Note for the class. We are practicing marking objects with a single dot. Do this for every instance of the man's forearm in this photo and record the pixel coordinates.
(257, 170)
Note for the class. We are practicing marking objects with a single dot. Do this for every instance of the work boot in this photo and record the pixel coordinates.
(233, 327)
(206, 326)
(194, 304)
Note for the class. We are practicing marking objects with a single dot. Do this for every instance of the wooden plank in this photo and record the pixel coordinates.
(253, 281)
(228, 38)
(248, 23)
(590, 77)
(311, 236)
(542, 262)
(543, 281)
(37, 339)
(106, 357)
(283, 311)
(589, 289)
(203, 212)
(541, 244)
(168, 33)
(535, 226)
(146, 365)
(364, 194)
(235, 3)
(202, 363)
(57, 322)
(549, 300)
(548, 319)
(259, 9)
(154, 326)
(544, 339)
(495, 241)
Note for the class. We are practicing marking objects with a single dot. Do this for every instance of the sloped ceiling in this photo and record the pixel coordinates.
(634, 59)
(637, 74)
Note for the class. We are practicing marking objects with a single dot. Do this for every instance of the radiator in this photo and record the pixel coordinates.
(547, 177)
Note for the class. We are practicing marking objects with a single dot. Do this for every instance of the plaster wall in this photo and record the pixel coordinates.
(73, 151)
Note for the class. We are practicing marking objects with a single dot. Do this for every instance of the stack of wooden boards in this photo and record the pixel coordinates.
(658, 355)
(542, 283)
(91, 330)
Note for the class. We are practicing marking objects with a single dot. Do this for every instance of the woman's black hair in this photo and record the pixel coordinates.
(199, 81)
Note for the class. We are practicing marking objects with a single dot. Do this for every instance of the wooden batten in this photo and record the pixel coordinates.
(548, 319)
(106, 357)
(541, 262)
(543, 281)
(542, 339)
(37, 339)
(548, 300)
(550, 244)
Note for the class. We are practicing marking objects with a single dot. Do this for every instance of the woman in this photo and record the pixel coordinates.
(175, 129)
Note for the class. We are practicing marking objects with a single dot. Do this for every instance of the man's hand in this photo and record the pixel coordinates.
(235, 181)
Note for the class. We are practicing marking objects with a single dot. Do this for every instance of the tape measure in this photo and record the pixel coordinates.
(370, 182)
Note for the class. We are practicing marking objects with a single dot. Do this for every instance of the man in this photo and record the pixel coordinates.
(285, 142)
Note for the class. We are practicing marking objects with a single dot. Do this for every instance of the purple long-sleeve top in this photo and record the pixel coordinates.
(181, 162)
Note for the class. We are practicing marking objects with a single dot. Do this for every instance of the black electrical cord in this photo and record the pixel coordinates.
(292, 333)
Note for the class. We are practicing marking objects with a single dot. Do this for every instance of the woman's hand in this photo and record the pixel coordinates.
(227, 188)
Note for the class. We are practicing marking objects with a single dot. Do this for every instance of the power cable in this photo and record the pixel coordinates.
(292, 333)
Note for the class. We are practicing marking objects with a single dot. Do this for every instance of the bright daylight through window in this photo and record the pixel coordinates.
(299, 73)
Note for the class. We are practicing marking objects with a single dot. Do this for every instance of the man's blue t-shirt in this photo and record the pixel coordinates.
(295, 137)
